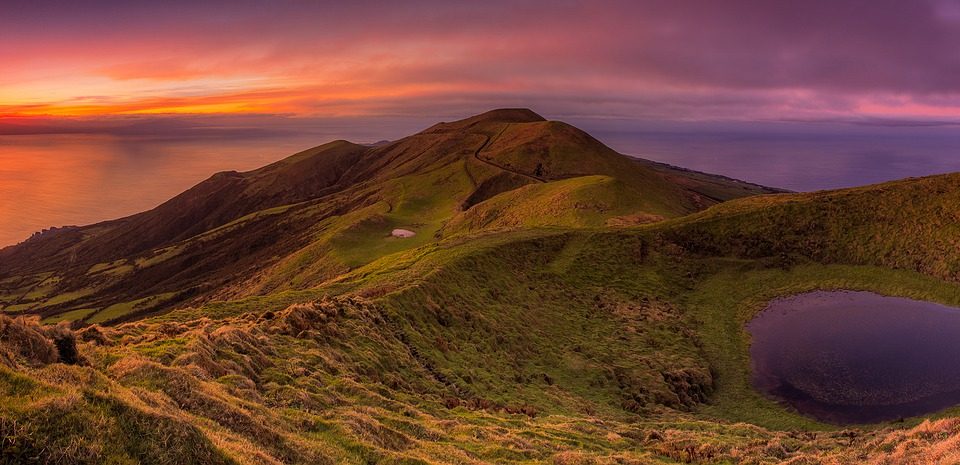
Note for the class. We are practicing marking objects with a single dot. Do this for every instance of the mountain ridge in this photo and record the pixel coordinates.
(525, 322)
(296, 222)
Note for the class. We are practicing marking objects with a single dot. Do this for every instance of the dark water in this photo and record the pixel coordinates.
(857, 357)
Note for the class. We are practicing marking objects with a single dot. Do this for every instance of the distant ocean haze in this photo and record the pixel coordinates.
(796, 156)
(58, 180)
(74, 179)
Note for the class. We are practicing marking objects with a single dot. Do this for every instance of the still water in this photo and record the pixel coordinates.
(74, 179)
(856, 357)
(796, 156)
(57, 180)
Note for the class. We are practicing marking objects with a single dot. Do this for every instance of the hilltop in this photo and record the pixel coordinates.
(560, 303)
(319, 213)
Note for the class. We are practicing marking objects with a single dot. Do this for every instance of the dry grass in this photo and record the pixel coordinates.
(248, 390)
(575, 348)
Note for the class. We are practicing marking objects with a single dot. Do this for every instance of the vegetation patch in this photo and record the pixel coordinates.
(116, 311)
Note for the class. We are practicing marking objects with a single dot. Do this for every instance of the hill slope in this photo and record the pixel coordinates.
(322, 212)
(551, 345)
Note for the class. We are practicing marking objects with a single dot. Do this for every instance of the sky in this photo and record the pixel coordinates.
(138, 100)
(111, 65)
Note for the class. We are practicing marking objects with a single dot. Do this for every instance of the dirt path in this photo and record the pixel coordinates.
(473, 179)
(486, 143)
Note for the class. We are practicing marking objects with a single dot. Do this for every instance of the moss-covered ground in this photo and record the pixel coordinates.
(526, 347)
(534, 318)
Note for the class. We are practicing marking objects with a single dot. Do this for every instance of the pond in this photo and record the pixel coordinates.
(848, 357)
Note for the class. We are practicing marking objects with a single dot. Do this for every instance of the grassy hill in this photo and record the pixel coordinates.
(317, 214)
(585, 201)
(544, 316)
(910, 224)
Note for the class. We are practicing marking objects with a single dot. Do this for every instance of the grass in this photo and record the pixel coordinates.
(587, 201)
(523, 329)
(720, 303)
(727, 301)
(24, 293)
(66, 297)
(415, 203)
(561, 325)
(72, 315)
(569, 342)
(116, 268)
(902, 225)
(17, 308)
(158, 257)
(120, 310)
(213, 233)
(318, 214)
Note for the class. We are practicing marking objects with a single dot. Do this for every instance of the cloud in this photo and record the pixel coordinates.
(647, 58)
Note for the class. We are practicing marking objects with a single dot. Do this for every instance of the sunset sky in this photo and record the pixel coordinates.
(104, 61)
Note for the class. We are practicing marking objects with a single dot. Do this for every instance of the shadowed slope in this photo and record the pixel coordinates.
(223, 197)
(910, 224)
(597, 346)
(317, 214)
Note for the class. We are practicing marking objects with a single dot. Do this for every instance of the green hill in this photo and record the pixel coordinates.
(910, 225)
(560, 315)
(584, 201)
(310, 217)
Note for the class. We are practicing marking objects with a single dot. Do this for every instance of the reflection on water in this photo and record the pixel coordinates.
(56, 180)
(795, 156)
(857, 357)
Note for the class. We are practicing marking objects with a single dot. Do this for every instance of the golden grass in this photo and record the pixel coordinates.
(272, 388)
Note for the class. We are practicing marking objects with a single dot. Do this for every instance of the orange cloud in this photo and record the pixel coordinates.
(340, 99)
(682, 60)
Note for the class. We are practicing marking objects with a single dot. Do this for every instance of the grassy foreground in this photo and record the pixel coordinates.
(529, 347)
(559, 304)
